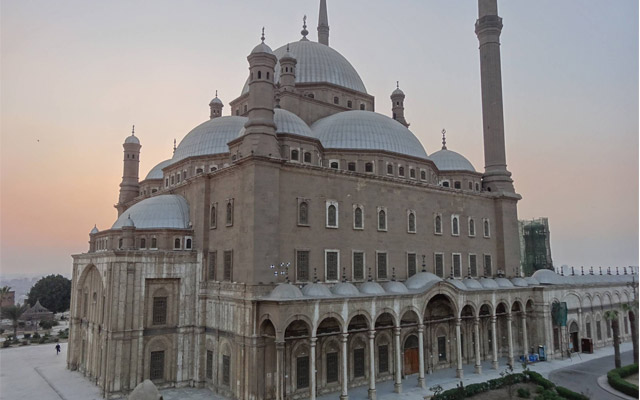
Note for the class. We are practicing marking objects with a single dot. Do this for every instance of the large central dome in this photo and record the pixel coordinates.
(318, 63)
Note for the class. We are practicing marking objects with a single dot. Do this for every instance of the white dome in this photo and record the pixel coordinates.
(285, 291)
(210, 137)
(548, 277)
(421, 279)
(488, 283)
(366, 130)
(397, 92)
(472, 284)
(168, 211)
(156, 172)
(132, 139)
(447, 160)
(457, 283)
(371, 288)
(215, 100)
(345, 289)
(503, 282)
(94, 230)
(317, 63)
(520, 282)
(531, 281)
(288, 122)
(316, 290)
(262, 48)
(395, 287)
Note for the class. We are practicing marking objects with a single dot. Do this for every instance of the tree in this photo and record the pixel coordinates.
(630, 310)
(612, 315)
(4, 291)
(53, 292)
(14, 313)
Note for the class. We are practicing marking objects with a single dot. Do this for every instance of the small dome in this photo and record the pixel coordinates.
(210, 137)
(503, 282)
(447, 160)
(262, 48)
(285, 291)
(316, 290)
(397, 92)
(132, 139)
(420, 280)
(395, 287)
(531, 281)
(520, 282)
(168, 211)
(488, 283)
(457, 283)
(156, 172)
(471, 283)
(215, 100)
(94, 230)
(288, 122)
(367, 130)
(371, 288)
(128, 223)
(345, 289)
(548, 277)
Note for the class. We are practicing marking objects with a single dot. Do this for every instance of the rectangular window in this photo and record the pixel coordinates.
(382, 265)
(302, 372)
(209, 364)
(211, 272)
(411, 264)
(302, 265)
(228, 265)
(156, 368)
(332, 265)
(358, 363)
(226, 370)
(589, 329)
(473, 265)
(456, 263)
(332, 367)
(439, 264)
(383, 359)
(442, 348)
(159, 310)
(599, 330)
(488, 269)
(358, 266)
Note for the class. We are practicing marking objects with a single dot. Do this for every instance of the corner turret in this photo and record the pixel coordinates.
(216, 107)
(397, 105)
(288, 71)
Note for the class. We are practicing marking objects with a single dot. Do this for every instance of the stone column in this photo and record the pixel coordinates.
(312, 368)
(372, 365)
(279, 370)
(459, 372)
(397, 387)
(494, 342)
(525, 335)
(345, 372)
(421, 355)
(510, 339)
(476, 331)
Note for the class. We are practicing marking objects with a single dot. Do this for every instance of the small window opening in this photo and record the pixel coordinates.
(351, 166)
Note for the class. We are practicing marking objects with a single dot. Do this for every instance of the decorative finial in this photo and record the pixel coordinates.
(424, 264)
(304, 30)
(287, 47)
(216, 92)
(444, 139)
(397, 84)
(262, 37)
(174, 146)
(133, 130)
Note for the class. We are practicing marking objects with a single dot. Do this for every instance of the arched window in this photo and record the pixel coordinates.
(382, 220)
(457, 185)
(213, 217)
(229, 213)
(199, 170)
(423, 175)
(303, 213)
(362, 106)
(487, 228)
(294, 155)
(336, 100)
(334, 165)
(143, 243)
(311, 96)
(357, 218)
(188, 243)
(267, 75)
(120, 243)
(307, 157)
(259, 74)
(332, 216)
(412, 173)
(245, 108)
(470, 185)
(351, 166)
(472, 227)
(368, 167)
(394, 116)
(401, 171)
(412, 222)
(477, 187)
(154, 243)
(349, 104)
(238, 111)
(455, 225)
(390, 169)
(445, 184)
(438, 224)
(176, 243)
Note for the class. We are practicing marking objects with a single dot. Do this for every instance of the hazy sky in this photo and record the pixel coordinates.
(75, 75)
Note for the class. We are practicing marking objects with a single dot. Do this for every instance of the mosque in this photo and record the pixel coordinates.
(308, 244)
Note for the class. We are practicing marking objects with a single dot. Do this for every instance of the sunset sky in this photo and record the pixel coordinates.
(76, 74)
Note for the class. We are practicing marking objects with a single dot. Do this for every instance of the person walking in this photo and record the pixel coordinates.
(57, 348)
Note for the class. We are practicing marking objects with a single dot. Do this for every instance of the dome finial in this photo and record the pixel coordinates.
(444, 139)
(133, 130)
(397, 84)
(262, 37)
(174, 146)
(216, 92)
(304, 30)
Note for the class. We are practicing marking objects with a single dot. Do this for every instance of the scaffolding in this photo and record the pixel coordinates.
(535, 245)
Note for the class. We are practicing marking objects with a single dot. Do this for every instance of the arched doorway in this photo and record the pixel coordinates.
(439, 319)
(269, 382)
(574, 340)
(296, 369)
(411, 356)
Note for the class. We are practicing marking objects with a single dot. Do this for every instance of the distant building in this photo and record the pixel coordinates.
(535, 245)
(8, 299)
(37, 313)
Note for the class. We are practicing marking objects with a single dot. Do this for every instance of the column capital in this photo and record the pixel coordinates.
(494, 318)
(345, 337)
(476, 321)
(397, 330)
(420, 328)
(372, 334)
(280, 345)
(458, 321)
(509, 316)
(313, 340)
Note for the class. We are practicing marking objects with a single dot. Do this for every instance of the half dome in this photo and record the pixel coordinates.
(156, 172)
(395, 287)
(371, 288)
(471, 283)
(317, 63)
(168, 211)
(316, 290)
(488, 283)
(345, 289)
(447, 160)
(210, 137)
(367, 130)
(285, 291)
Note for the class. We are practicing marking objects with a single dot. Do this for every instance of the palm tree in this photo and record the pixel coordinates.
(14, 313)
(4, 291)
(612, 315)
(630, 310)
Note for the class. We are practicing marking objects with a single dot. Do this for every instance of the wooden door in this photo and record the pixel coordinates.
(411, 361)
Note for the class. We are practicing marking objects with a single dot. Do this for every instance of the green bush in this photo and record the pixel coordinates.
(524, 393)
(548, 394)
(36, 335)
(616, 379)
(43, 340)
(6, 344)
(570, 394)
(540, 380)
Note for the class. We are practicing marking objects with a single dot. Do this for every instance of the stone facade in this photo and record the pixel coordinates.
(307, 244)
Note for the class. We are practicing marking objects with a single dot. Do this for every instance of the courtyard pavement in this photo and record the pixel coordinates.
(36, 372)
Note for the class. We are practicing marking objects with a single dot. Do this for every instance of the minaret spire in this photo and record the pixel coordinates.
(304, 32)
(323, 24)
(444, 139)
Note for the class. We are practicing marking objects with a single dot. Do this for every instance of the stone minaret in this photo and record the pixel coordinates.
(216, 107)
(260, 130)
(323, 24)
(288, 71)
(397, 105)
(129, 187)
(488, 28)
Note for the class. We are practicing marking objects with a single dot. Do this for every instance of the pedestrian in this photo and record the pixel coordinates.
(57, 348)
